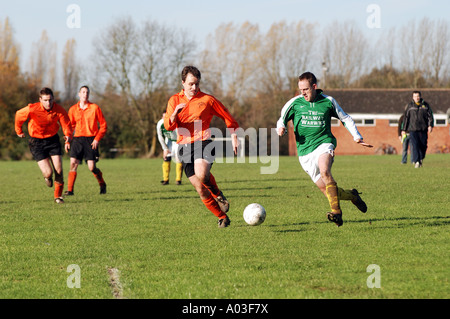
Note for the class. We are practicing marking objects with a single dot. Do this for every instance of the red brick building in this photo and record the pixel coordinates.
(376, 113)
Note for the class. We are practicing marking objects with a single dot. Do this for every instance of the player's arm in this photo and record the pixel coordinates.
(21, 117)
(285, 117)
(221, 111)
(103, 126)
(170, 120)
(349, 124)
(160, 136)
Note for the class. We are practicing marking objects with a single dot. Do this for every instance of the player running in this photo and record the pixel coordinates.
(90, 127)
(190, 112)
(311, 114)
(43, 118)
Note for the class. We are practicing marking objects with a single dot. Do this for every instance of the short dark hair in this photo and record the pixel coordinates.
(86, 87)
(45, 91)
(417, 92)
(308, 76)
(192, 70)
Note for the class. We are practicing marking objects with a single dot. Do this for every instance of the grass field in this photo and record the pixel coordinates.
(164, 243)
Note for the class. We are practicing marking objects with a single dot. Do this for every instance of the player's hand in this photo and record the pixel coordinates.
(281, 131)
(165, 154)
(67, 147)
(177, 110)
(94, 144)
(21, 135)
(362, 143)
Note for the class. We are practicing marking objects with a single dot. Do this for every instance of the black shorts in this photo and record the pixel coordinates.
(81, 148)
(42, 148)
(188, 153)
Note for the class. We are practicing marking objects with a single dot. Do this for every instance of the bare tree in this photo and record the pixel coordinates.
(42, 62)
(231, 60)
(70, 69)
(439, 50)
(9, 51)
(344, 52)
(414, 48)
(286, 52)
(142, 62)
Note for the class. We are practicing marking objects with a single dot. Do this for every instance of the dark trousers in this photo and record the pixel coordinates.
(419, 143)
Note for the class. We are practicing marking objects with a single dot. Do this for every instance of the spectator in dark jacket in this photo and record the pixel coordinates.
(419, 121)
(404, 138)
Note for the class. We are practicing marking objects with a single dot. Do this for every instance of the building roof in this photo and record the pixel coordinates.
(387, 101)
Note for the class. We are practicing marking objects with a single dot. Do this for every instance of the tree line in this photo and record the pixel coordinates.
(134, 68)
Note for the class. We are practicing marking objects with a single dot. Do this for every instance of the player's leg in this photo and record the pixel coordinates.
(208, 180)
(201, 170)
(59, 178)
(47, 172)
(98, 175)
(331, 190)
(178, 164)
(166, 170)
(72, 177)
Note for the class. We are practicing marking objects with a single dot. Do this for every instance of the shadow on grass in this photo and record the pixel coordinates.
(407, 221)
(400, 222)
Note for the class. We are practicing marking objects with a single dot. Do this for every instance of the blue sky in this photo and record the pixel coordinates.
(200, 17)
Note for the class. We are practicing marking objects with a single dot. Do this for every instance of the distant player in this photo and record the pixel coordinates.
(168, 141)
(90, 127)
(44, 120)
(311, 114)
(191, 111)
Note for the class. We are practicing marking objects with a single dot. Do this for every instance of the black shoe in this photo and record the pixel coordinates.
(178, 182)
(164, 182)
(103, 189)
(68, 193)
(358, 202)
(335, 218)
(225, 222)
(59, 200)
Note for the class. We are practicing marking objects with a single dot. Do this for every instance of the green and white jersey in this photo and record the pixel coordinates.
(312, 121)
(165, 137)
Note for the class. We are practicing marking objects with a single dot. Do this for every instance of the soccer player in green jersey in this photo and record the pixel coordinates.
(311, 114)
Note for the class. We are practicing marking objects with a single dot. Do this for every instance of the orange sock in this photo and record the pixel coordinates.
(71, 180)
(211, 185)
(58, 189)
(99, 176)
(212, 205)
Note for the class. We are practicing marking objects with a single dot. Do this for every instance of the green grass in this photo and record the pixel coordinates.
(166, 244)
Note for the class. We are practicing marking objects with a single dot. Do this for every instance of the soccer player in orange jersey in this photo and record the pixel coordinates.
(190, 112)
(90, 127)
(43, 118)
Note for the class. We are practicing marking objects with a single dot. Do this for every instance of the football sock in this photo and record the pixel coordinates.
(58, 189)
(344, 194)
(333, 199)
(166, 170)
(179, 171)
(212, 205)
(211, 185)
(99, 176)
(71, 180)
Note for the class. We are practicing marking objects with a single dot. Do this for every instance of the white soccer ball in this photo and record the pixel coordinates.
(254, 214)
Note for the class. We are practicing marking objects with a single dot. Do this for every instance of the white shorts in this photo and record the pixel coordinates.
(173, 148)
(310, 162)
